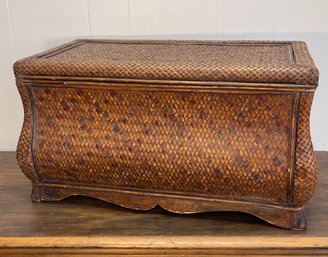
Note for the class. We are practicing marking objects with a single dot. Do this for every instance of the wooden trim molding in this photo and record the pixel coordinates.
(159, 245)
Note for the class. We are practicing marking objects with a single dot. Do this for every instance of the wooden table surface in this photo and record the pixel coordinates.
(89, 227)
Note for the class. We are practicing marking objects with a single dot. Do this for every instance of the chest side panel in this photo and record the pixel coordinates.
(305, 165)
(227, 144)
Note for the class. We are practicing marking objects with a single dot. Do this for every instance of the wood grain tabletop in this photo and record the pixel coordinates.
(83, 226)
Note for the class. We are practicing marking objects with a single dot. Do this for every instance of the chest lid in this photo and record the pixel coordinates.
(215, 61)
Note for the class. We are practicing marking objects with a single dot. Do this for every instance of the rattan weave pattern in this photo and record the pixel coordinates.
(24, 149)
(208, 143)
(305, 166)
(190, 126)
(237, 61)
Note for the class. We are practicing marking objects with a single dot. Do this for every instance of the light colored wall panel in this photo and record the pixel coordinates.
(189, 19)
(194, 17)
(307, 21)
(251, 19)
(40, 24)
(109, 18)
(319, 118)
(10, 105)
(149, 18)
(301, 16)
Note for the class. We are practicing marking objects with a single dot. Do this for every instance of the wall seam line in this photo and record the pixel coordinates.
(11, 31)
(274, 19)
(218, 21)
(88, 12)
(129, 18)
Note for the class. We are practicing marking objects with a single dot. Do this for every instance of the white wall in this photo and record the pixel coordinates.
(27, 27)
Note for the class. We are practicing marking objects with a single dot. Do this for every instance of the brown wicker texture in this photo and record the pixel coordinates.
(214, 144)
(306, 165)
(110, 115)
(237, 61)
(24, 148)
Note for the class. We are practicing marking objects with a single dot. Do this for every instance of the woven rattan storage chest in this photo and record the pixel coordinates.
(191, 126)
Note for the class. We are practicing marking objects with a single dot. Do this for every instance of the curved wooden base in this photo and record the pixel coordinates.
(286, 217)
